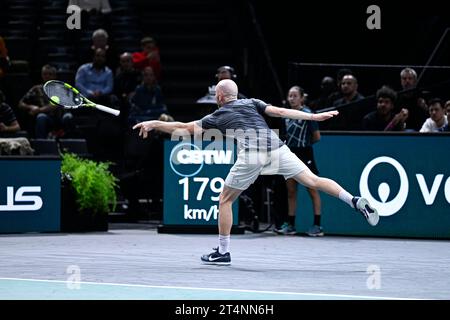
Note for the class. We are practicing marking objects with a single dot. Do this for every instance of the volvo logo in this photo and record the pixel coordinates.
(385, 208)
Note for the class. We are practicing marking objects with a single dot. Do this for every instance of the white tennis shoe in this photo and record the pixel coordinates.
(369, 212)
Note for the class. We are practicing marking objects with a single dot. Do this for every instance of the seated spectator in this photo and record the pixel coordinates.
(127, 77)
(147, 103)
(223, 72)
(337, 94)
(447, 113)
(350, 113)
(349, 91)
(412, 99)
(95, 79)
(100, 41)
(327, 87)
(437, 121)
(384, 119)
(44, 116)
(148, 57)
(8, 121)
(4, 59)
(125, 82)
(227, 72)
(447, 108)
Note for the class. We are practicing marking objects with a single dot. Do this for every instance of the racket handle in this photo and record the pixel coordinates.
(107, 109)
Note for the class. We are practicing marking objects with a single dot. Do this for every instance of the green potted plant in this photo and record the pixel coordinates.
(88, 194)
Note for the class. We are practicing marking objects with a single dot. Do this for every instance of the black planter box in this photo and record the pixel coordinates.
(75, 220)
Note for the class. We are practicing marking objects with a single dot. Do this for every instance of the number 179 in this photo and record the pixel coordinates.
(216, 186)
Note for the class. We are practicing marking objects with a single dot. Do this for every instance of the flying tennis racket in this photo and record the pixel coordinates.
(64, 95)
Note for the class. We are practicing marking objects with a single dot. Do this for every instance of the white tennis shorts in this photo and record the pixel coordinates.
(250, 164)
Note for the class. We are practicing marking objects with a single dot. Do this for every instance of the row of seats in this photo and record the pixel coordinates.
(45, 147)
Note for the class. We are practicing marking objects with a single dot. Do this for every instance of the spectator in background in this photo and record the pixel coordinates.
(127, 77)
(8, 121)
(300, 136)
(148, 57)
(227, 72)
(327, 87)
(337, 94)
(95, 79)
(384, 119)
(409, 98)
(147, 103)
(437, 121)
(4, 58)
(447, 113)
(447, 108)
(223, 72)
(125, 82)
(350, 114)
(47, 117)
(5, 63)
(349, 91)
(100, 41)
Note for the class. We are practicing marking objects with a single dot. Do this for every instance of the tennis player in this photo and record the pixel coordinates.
(262, 153)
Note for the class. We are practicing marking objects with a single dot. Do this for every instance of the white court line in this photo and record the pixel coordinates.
(216, 289)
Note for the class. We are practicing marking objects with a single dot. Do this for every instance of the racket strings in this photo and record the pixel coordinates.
(66, 96)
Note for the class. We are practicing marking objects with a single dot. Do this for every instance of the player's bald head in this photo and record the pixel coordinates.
(228, 88)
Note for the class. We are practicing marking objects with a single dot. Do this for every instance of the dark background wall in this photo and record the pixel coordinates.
(336, 32)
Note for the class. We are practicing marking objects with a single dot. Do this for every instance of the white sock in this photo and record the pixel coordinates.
(224, 244)
(346, 197)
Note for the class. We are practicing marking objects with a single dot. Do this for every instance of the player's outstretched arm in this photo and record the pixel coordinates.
(181, 128)
(299, 115)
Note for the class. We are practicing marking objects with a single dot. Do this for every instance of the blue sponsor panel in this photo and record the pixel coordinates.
(29, 195)
(194, 176)
(406, 177)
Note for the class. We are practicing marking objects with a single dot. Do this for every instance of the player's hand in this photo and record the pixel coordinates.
(325, 115)
(145, 127)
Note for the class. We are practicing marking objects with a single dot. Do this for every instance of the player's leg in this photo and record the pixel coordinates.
(310, 180)
(241, 176)
(227, 197)
(221, 254)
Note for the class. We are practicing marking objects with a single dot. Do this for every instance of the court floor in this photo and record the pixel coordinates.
(140, 264)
